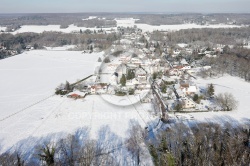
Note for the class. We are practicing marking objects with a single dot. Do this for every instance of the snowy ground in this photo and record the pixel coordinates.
(61, 116)
(63, 48)
(90, 18)
(122, 22)
(248, 46)
(150, 28)
(240, 90)
(125, 22)
(43, 28)
(33, 76)
(2, 28)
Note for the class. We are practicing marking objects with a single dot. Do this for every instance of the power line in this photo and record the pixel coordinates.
(9, 116)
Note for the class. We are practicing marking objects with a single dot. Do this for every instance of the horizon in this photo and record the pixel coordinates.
(122, 6)
(156, 13)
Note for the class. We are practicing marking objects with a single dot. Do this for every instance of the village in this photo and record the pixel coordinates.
(125, 88)
(152, 70)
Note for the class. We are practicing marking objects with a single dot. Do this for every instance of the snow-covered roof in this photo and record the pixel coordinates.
(77, 93)
(192, 89)
(184, 62)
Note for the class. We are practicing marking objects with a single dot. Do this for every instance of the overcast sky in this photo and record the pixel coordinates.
(69, 6)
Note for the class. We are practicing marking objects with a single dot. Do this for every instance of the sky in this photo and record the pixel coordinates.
(158, 6)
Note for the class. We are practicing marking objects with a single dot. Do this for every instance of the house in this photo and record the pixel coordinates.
(186, 68)
(124, 59)
(98, 89)
(183, 62)
(146, 51)
(114, 79)
(141, 75)
(130, 84)
(188, 89)
(112, 66)
(76, 95)
(93, 89)
(146, 99)
(143, 86)
(187, 103)
(180, 93)
(136, 61)
(176, 71)
(152, 49)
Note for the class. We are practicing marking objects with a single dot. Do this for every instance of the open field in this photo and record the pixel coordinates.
(127, 22)
(240, 90)
(33, 76)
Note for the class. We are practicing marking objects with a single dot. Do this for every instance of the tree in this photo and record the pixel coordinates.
(154, 75)
(210, 90)
(135, 142)
(226, 49)
(147, 45)
(130, 74)
(106, 60)
(196, 98)
(91, 48)
(178, 106)
(88, 31)
(48, 155)
(123, 80)
(35, 46)
(20, 162)
(99, 59)
(67, 86)
(226, 101)
(164, 88)
(142, 39)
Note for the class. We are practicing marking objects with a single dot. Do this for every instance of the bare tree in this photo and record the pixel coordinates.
(226, 101)
(135, 142)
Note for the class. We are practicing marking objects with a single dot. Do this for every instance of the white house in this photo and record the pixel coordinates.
(113, 80)
(188, 103)
(136, 61)
(186, 67)
(184, 62)
(141, 75)
(190, 90)
(93, 90)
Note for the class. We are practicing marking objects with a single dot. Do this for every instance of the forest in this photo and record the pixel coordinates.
(196, 144)
(84, 40)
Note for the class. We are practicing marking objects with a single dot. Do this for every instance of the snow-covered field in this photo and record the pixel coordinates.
(130, 22)
(33, 76)
(56, 28)
(125, 22)
(60, 116)
(151, 28)
(2, 28)
(121, 22)
(63, 48)
(240, 90)
(90, 18)
(248, 46)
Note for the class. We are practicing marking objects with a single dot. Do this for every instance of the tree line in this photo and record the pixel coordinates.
(83, 40)
(180, 144)
(206, 36)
